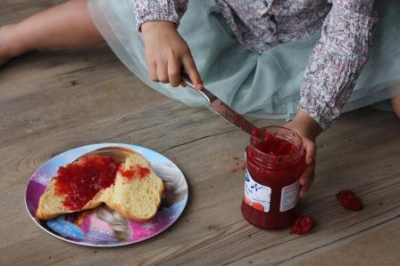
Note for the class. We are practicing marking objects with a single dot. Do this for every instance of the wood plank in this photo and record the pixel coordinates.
(57, 100)
(375, 248)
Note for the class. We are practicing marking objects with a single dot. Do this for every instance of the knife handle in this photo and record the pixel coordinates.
(208, 95)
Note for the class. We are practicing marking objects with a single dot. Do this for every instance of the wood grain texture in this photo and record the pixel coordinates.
(56, 100)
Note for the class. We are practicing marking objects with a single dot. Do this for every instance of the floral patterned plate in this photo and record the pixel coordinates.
(103, 227)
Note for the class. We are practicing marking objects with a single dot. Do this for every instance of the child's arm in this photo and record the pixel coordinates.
(331, 74)
(166, 51)
(337, 60)
(308, 129)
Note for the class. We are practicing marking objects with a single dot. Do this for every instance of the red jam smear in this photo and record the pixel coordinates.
(256, 133)
(82, 180)
(135, 172)
(276, 147)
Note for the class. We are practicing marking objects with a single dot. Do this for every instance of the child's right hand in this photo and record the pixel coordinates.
(167, 54)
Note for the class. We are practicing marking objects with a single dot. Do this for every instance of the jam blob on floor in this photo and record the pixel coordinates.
(82, 180)
(302, 225)
(349, 200)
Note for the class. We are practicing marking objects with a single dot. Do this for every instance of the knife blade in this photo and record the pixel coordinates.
(225, 110)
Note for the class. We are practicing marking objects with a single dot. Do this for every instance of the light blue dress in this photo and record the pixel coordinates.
(266, 85)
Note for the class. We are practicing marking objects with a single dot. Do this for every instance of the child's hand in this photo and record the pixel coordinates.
(308, 129)
(167, 54)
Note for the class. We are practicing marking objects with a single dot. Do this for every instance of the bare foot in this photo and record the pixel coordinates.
(8, 47)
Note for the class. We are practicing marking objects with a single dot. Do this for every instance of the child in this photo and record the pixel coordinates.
(295, 58)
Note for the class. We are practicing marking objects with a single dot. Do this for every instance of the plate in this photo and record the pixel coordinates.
(104, 227)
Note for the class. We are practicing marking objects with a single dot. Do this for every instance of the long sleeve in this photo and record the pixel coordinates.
(168, 10)
(337, 60)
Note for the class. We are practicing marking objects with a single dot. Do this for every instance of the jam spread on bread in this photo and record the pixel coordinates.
(135, 172)
(83, 180)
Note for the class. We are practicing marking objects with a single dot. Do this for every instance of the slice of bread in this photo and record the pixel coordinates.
(136, 193)
(51, 203)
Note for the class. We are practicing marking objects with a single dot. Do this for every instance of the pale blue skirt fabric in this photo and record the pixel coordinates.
(266, 85)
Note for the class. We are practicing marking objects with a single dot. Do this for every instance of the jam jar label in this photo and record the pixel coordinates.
(289, 197)
(256, 195)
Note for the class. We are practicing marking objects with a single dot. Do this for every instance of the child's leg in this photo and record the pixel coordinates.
(396, 105)
(66, 25)
(396, 99)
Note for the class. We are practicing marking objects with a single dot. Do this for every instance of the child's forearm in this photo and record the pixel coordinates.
(157, 25)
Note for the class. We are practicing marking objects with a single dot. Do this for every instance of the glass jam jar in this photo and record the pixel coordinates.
(272, 177)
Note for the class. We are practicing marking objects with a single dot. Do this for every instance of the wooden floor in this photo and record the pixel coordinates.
(57, 100)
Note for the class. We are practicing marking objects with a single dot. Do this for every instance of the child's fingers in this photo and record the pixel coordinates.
(174, 71)
(152, 66)
(306, 180)
(162, 71)
(307, 174)
(191, 70)
(303, 191)
(311, 150)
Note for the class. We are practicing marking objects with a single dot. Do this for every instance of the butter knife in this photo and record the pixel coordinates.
(225, 111)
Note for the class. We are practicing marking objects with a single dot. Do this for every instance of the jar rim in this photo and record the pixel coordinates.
(299, 145)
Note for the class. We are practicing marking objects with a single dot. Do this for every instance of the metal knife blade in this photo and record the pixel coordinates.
(225, 111)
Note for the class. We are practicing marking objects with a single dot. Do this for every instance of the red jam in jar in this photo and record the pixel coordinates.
(272, 177)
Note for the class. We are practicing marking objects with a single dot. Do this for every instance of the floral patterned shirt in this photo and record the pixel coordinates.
(346, 28)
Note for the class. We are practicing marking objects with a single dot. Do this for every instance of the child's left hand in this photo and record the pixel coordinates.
(307, 177)
(308, 129)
